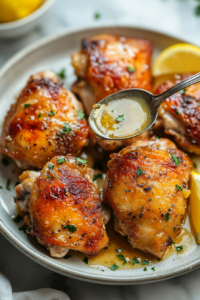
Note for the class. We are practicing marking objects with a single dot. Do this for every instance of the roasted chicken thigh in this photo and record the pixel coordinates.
(45, 121)
(147, 188)
(64, 207)
(180, 115)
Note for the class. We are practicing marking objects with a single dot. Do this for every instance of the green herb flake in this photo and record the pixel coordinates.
(167, 217)
(48, 176)
(145, 262)
(197, 10)
(5, 161)
(142, 207)
(26, 105)
(62, 74)
(179, 188)
(51, 113)
(177, 112)
(120, 118)
(124, 262)
(139, 171)
(66, 129)
(67, 256)
(114, 267)
(130, 69)
(1, 188)
(40, 115)
(140, 215)
(8, 184)
(157, 137)
(83, 234)
(55, 177)
(149, 200)
(23, 228)
(71, 228)
(119, 250)
(80, 114)
(135, 261)
(174, 228)
(97, 176)
(61, 160)
(17, 182)
(97, 15)
(51, 167)
(17, 219)
(81, 161)
(127, 191)
(175, 159)
(145, 269)
(158, 259)
(153, 269)
(121, 256)
(85, 260)
(183, 91)
(194, 165)
(106, 248)
(172, 242)
(179, 248)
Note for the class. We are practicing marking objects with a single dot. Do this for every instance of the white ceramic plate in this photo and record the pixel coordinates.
(24, 25)
(54, 54)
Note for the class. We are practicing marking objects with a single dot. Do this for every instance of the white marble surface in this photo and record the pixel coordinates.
(172, 16)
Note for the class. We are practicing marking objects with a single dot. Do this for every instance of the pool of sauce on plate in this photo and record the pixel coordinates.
(107, 257)
(123, 117)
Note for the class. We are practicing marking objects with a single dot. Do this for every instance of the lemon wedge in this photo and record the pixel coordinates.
(12, 10)
(195, 203)
(178, 58)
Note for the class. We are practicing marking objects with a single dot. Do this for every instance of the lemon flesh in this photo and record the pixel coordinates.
(177, 59)
(195, 203)
(12, 10)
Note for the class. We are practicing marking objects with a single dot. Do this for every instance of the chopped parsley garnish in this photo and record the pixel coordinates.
(174, 228)
(48, 176)
(120, 118)
(127, 191)
(81, 161)
(83, 234)
(157, 137)
(1, 188)
(119, 250)
(66, 129)
(179, 188)
(145, 269)
(85, 260)
(142, 207)
(124, 262)
(51, 113)
(62, 74)
(114, 267)
(139, 171)
(158, 259)
(8, 184)
(175, 159)
(149, 200)
(80, 114)
(54, 177)
(105, 248)
(167, 217)
(51, 167)
(131, 69)
(172, 242)
(61, 160)
(23, 228)
(17, 219)
(145, 262)
(97, 15)
(153, 269)
(177, 112)
(40, 115)
(183, 91)
(135, 261)
(140, 215)
(98, 166)
(17, 182)
(5, 161)
(67, 256)
(121, 256)
(97, 176)
(71, 228)
(179, 248)
(26, 105)
(194, 165)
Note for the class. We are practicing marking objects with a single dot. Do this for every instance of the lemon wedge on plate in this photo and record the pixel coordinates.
(195, 203)
(12, 10)
(179, 58)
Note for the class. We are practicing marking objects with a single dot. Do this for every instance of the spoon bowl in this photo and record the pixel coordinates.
(152, 101)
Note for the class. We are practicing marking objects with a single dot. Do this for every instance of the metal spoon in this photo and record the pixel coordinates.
(153, 101)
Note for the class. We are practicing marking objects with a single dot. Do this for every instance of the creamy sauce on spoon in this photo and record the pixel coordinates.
(123, 117)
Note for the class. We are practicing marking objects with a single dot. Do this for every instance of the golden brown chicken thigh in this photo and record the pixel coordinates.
(46, 120)
(180, 114)
(64, 206)
(107, 64)
(147, 187)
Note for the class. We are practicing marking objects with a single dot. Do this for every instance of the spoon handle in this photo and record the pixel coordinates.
(178, 87)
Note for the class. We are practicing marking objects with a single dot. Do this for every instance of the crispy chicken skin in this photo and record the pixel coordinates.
(107, 64)
(65, 207)
(43, 123)
(147, 191)
(180, 115)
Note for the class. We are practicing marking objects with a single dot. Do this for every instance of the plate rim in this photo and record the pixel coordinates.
(41, 258)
